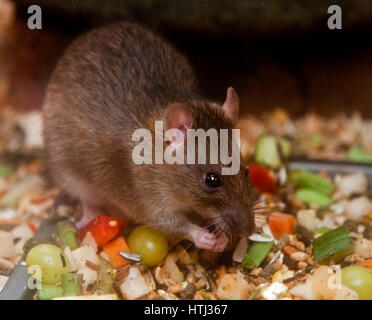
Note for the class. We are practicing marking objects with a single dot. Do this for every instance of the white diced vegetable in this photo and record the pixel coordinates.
(274, 291)
(84, 253)
(241, 250)
(22, 232)
(267, 236)
(355, 183)
(79, 257)
(134, 285)
(303, 290)
(89, 275)
(339, 207)
(89, 241)
(307, 218)
(357, 208)
(6, 245)
(233, 286)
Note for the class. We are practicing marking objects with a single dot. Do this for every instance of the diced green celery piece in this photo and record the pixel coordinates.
(257, 252)
(308, 180)
(266, 152)
(330, 243)
(309, 196)
(67, 234)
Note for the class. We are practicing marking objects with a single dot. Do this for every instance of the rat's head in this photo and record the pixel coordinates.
(207, 191)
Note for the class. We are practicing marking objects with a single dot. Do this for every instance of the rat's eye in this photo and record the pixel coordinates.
(212, 180)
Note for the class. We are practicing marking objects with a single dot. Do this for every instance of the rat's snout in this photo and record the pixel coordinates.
(240, 220)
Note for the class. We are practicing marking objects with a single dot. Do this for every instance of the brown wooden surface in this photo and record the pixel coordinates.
(326, 72)
(215, 17)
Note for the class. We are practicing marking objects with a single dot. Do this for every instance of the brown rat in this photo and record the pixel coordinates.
(111, 82)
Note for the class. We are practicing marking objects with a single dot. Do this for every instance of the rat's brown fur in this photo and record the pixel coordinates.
(110, 82)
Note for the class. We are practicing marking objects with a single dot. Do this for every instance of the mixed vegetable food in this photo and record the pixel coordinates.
(313, 238)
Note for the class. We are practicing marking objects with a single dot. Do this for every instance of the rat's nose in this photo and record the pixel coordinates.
(240, 220)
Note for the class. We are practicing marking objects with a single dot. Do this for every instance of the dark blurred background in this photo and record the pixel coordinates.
(276, 53)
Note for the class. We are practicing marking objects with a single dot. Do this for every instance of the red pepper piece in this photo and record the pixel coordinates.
(103, 229)
(262, 179)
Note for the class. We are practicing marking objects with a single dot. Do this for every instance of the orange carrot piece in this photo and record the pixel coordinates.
(113, 249)
(280, 223)
(367, 263)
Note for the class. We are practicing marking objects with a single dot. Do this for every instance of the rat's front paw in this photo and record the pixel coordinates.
(221, 243)
(203, 239)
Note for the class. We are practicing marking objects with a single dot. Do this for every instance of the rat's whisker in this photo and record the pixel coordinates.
(177, 242)
(265, 210)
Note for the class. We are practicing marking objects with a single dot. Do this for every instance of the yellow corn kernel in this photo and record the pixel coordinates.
(277, 277)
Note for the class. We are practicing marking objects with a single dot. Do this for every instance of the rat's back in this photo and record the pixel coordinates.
(122, 67)
(109, 82)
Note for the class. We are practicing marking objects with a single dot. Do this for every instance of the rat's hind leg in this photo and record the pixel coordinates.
(90, 211)
(92, 204)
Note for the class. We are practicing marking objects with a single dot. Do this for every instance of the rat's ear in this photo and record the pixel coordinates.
(231, 105)
(178, 116)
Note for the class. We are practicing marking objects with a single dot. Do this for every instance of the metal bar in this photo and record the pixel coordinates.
(332, 167)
